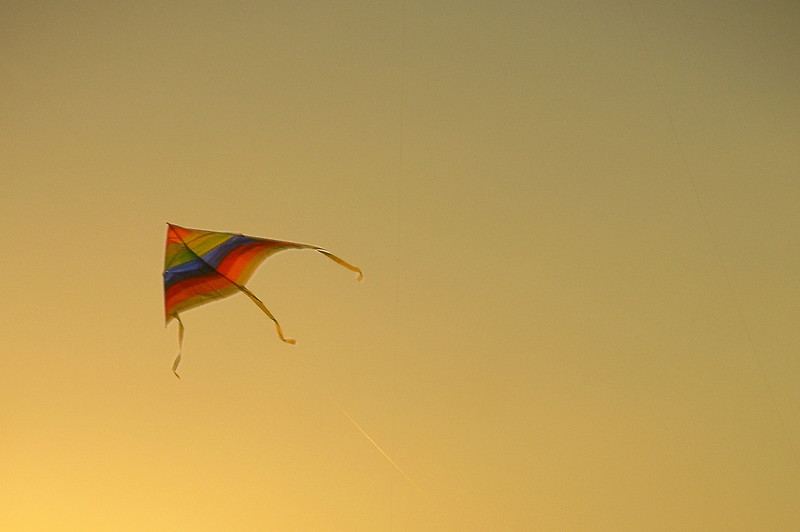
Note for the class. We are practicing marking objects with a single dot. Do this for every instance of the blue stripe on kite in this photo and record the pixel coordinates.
(215, 257)
(187, 270)
(207, 265)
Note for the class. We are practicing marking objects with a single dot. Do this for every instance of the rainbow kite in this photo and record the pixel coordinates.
(203, 266)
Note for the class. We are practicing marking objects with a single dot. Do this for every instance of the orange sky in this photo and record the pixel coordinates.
(578, 224)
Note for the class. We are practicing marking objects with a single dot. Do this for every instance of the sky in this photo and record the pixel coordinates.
(578, 224)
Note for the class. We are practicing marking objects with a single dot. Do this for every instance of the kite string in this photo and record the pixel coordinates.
(372, 441)
(712, 235)
(312, 367)
(399, 205)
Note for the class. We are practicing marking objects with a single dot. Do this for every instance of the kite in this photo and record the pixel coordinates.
(203, 266)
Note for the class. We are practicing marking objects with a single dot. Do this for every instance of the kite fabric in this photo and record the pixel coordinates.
(203, 266)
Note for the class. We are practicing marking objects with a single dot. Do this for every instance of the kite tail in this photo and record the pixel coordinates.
(266, 311)
(180, 347)
(337, 260)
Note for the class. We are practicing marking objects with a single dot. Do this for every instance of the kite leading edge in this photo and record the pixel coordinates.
(203, 266)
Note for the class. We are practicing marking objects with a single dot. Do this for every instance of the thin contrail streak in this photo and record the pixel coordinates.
(373, 442)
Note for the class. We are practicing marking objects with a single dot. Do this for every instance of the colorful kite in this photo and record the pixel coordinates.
(202, 266)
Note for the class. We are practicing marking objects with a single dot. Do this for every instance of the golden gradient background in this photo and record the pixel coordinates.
(579, 224)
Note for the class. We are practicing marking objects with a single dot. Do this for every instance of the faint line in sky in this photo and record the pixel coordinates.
(373, 442)
(710, 230)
